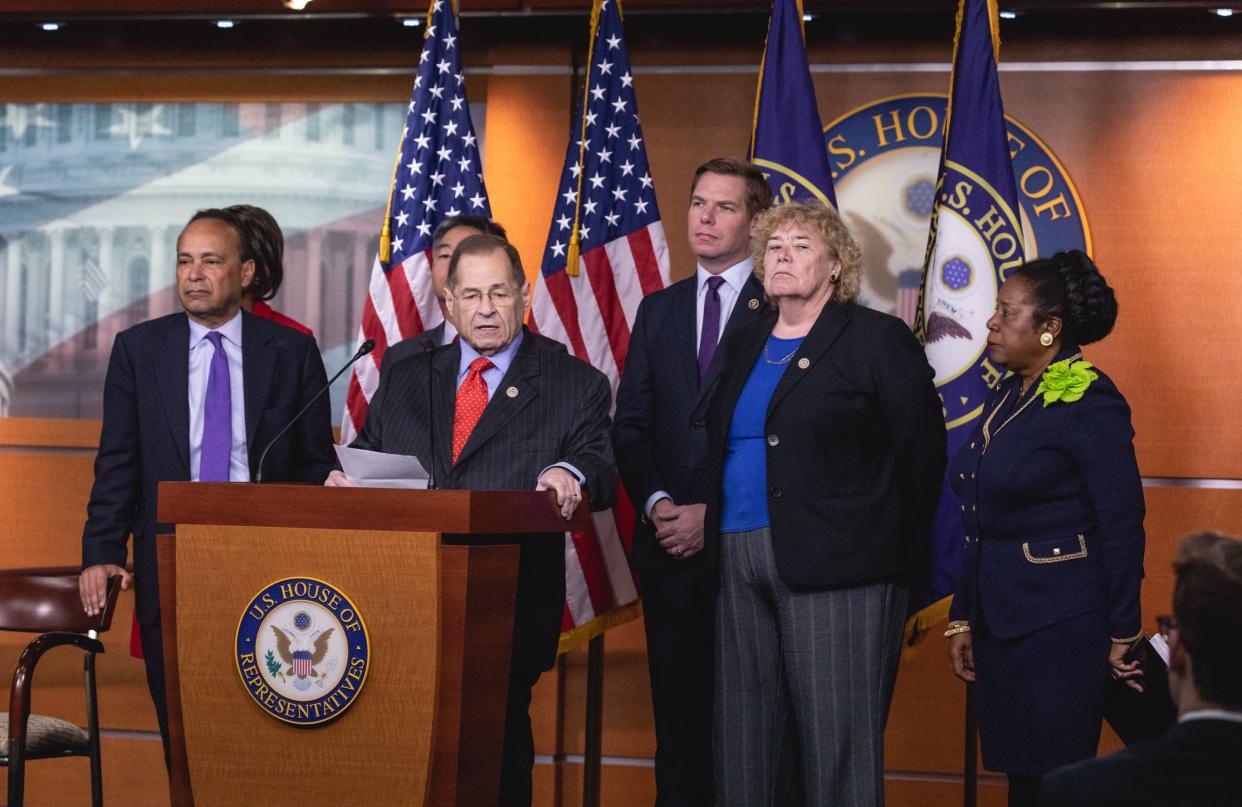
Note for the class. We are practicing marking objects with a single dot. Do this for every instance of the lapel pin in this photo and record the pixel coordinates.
(753, 304)
(804, 363)
(512, 392)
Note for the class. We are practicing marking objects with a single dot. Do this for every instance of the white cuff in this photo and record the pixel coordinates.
(653, 498)
(577, 474)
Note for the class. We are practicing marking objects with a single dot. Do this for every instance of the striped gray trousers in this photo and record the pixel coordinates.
(803, 683)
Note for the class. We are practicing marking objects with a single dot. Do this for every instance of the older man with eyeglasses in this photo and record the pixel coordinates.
(508, 414)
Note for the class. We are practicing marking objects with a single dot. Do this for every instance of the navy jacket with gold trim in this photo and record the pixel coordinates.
(1052, 505)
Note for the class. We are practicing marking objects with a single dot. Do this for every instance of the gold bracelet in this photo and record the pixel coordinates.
(1131, 640)
(956, 630)
(957, 623)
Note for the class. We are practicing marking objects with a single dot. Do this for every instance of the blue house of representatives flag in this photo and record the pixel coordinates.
(975, 240)
(787, 139)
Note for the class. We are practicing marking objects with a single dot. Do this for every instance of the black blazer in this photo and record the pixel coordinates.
(431, 337)
(559, 413)
(1197, 764)
(1053, 510)
(660, 431)
(146, 431)
(856, 447)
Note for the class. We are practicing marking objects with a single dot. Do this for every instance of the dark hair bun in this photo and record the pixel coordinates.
(1090, 305)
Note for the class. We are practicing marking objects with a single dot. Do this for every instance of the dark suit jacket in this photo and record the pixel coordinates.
(558, 414)
(146, 431)
(419, 343)
(1197, 764)
(660, 432)
(856, 447)
(1058, 502)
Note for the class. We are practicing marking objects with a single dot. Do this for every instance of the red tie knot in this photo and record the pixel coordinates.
(480, 365)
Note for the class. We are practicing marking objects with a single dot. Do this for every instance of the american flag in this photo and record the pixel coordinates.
(438, 174)
(605, 252)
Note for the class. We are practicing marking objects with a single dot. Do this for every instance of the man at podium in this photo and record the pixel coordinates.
(494, 411)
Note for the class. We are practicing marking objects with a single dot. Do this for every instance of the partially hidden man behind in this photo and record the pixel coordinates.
(671, 370)
(507, 415)
(196, 396)
(1199, 762)
(444, 240)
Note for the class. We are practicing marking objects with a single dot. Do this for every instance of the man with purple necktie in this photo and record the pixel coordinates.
(196, 396)
(670, 372)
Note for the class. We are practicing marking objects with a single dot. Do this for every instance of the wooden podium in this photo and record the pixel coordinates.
(427, 724)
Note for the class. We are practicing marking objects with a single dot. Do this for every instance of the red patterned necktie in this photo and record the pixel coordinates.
(471, 400)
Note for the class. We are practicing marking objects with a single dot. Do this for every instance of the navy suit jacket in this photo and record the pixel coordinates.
(856, 447)
(1052, 505)
(558, 413)
(1197, 764)
(660, 431)
(146, 432)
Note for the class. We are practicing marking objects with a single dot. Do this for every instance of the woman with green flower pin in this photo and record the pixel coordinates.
(1052, 505)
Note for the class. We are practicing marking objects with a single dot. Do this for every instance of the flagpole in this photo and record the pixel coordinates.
(591, 763)
(970, 766)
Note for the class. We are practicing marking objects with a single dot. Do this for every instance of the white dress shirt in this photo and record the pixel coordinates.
(201, 353)
(735, 278)
(1212, 714)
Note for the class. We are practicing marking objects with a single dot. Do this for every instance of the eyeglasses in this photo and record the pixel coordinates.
(498, 297)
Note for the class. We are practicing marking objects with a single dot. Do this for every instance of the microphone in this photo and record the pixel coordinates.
(363, 350)
(430, 348)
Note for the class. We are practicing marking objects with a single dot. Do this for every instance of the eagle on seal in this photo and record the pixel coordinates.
(284, 649)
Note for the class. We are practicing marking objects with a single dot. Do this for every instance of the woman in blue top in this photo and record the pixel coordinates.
(1048, 599)
(828, 440)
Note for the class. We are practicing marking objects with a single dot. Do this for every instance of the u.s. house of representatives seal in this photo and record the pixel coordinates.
(885, 156)
(302, 651)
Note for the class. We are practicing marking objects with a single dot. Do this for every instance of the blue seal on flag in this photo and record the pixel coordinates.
(885, 157)
(302, 651)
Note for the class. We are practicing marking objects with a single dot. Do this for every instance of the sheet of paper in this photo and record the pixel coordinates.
(374, 469)
(1161, 646)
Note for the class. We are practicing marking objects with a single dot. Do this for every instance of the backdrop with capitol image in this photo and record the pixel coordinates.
(93, 196)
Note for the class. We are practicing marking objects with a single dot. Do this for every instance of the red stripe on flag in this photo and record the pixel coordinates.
(356, 400)
(408, 319)
(623, 514)
(372, 328)
(594, 571)
(562, 296)
(604, 286)
(645, 262)
(567, 619)
(356, 404)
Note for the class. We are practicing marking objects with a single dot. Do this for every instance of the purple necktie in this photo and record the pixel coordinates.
(213, 464)
(711, 325)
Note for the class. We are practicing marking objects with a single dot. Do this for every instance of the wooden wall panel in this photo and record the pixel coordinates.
(42, 508)
(133, 776)
(526, 134)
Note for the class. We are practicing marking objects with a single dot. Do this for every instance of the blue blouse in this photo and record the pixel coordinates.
(745, 480)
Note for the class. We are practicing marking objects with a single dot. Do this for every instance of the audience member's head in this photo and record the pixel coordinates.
(444, 239)
(1206, 643)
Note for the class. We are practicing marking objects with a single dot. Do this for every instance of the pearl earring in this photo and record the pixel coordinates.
(1046, 339)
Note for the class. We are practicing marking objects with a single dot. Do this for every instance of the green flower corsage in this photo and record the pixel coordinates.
(1065, 382)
